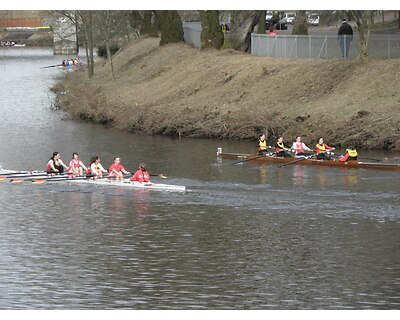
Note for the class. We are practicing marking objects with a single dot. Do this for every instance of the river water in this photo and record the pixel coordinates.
(243, 236)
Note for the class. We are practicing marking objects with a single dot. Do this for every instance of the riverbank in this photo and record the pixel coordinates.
(179, 90)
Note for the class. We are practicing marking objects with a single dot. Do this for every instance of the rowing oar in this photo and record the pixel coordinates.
(294, 161)
(27, 175)
(358, 158)
(160, 175)
(54, 178)
(241, 161)
(55, 65)
(19, 172)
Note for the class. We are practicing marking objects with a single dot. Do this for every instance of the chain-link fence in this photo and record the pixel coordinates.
(310, 46)
(324, 46)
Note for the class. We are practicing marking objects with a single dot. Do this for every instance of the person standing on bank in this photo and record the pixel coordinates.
(344, 38)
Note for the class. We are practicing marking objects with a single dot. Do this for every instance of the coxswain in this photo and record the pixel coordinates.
(96, 169)
(141, 175)
(117, 170)
(76, 166)
(262, 146)
(280, 149)
(55, 165)
(321, 149)
(351, 154)
(299, 148)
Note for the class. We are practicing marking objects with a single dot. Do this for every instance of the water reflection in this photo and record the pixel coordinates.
(300, 175)
(263, 174)
(142, 204)
(351, 180)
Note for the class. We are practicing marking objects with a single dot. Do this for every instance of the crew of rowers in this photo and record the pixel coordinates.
(71, 62)
(322, 150)
(76, 168)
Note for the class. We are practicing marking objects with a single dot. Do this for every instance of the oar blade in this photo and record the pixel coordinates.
(16, 180)
(38, 181)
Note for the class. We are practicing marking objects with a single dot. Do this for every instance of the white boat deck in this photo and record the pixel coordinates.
(130, 184)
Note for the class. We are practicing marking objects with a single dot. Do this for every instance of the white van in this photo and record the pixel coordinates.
(289, 17)
(269, 15)
(313, 19)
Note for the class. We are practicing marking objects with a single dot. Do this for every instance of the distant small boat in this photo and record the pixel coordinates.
(11, 44)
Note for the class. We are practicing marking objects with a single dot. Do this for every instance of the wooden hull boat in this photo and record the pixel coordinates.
(285, 161)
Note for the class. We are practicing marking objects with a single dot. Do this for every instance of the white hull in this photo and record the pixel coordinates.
(103, 182)
(130, 184)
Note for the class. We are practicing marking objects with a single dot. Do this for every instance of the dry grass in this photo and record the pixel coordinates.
(179, 90)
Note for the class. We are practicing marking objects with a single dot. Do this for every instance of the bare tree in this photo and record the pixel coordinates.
(242, 25)
(262, 22)
(171, 27)
(211, 34)
(149, 24)
(85, 23)
(106, 21)
(300, 25)
(362, 19)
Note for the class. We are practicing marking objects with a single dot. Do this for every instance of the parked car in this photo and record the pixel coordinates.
(280, 25)
(313, 19)
(289, 17)
(269, 15)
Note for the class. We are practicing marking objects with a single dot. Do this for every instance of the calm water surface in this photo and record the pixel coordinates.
(244, 236)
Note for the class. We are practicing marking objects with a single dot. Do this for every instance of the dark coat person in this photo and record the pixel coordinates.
(344, 38)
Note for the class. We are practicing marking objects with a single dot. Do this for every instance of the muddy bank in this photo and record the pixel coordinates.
(179, 90)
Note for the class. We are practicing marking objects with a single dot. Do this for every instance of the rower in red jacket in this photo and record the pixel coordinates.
(117, 170)
(141, 175)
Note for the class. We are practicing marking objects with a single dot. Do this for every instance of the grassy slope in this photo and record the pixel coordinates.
(176, 89)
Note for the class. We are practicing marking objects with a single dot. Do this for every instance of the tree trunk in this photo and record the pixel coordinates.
(105, 20)
(262, 22)
(242, 25)
(171, 27)
(361, 19)
(86, 19)
(300, 25)
(148, 26)
(211, 34)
